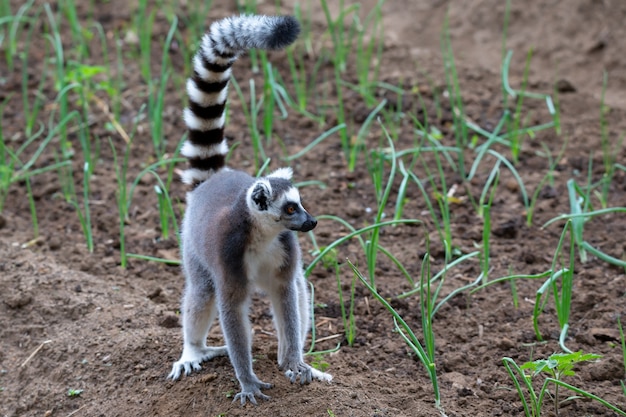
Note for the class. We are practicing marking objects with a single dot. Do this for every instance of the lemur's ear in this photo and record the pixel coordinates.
(261, 193)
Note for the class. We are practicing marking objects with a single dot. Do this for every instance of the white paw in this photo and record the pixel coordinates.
(186, 365)
(192, 357)
(322, 376)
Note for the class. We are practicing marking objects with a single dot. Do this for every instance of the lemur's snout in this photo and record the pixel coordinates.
(308, 225)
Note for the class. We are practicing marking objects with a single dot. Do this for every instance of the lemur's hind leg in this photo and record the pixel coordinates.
(198, 313)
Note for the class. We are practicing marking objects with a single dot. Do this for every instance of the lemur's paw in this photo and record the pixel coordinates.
(179, 366)
(322, 376)
(192, 357)
(296, 369)
(253, 391)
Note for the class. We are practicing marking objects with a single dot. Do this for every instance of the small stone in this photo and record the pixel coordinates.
(54, 243)
(548, 192)
(453, 361)
(608, 369)
(155, 293)
(512, 185)
(505, 343)
(87, 264)
(354, 210)
(390, 347)
(565, 86)
(529, 257)
(506, 230)
(170, 321)
(605, 335)
(464, 391)
(207, 378)
(18, 300)
(585, 338)
(146, 180)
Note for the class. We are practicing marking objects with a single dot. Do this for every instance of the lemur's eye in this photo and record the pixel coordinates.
(290, 209)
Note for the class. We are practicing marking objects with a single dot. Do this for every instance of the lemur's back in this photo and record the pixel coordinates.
(209, 208)
(219, 191)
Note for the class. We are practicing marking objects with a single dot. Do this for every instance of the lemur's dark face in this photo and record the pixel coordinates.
(295, 217)
(280, 202)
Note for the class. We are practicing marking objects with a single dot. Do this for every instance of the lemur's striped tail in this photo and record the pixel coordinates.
(207, 89)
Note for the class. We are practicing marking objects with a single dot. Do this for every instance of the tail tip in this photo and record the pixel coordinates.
(286, 31)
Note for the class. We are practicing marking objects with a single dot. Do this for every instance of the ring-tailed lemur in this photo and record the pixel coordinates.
(237, 231)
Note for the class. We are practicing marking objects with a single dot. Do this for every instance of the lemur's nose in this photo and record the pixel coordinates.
(308, 225)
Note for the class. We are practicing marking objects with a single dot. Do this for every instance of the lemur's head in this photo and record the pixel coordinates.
(276, 202)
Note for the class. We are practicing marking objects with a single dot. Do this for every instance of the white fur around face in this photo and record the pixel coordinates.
(268, 223)
(291, 196)
(285, 173)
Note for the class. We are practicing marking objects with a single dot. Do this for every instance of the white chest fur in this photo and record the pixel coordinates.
(264, 261)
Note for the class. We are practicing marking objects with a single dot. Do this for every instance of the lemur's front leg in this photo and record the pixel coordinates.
(304, 309)
(233, 307)
(286, 304)
(288, 312)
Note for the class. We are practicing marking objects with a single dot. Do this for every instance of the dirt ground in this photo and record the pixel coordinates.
(75, 320)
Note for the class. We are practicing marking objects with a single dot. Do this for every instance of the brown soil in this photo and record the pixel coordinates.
(75, 320)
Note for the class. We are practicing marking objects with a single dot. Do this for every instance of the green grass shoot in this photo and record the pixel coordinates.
(424, 352)
(557, 366)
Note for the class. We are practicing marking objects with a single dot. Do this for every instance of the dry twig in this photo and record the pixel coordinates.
(32, 355)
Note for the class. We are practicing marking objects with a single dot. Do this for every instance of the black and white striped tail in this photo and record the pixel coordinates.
(207, 89)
